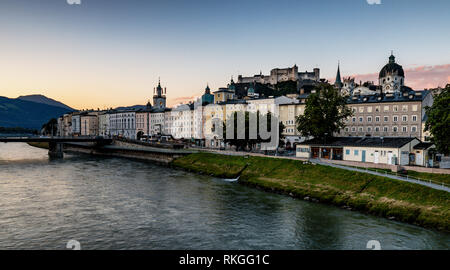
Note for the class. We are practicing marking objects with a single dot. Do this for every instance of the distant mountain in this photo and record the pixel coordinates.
(134, 108)
(27, 114)
(45, 100)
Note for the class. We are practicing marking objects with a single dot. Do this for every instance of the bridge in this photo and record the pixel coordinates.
(54, 139)
(55, 144)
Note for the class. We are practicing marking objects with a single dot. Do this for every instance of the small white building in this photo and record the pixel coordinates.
(424, 154)
(378, 150)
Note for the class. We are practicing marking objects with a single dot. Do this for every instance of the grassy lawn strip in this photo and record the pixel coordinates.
(373, 194)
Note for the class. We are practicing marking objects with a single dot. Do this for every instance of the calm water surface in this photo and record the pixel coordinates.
(109, 203)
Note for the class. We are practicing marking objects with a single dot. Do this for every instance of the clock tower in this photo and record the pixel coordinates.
(159, 97)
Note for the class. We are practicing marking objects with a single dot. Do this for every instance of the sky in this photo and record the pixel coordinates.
(109, 53)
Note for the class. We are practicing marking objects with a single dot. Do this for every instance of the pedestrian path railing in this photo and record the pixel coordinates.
(398, 174)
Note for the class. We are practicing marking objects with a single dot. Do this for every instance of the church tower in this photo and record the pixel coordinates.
(392, 77)
(159, 97)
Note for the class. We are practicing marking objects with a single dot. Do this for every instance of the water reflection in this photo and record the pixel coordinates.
(122, 204)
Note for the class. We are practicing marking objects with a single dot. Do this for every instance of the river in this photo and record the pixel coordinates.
(113, 203)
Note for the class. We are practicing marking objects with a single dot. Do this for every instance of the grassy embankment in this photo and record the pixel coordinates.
(368, 193)
(42, 145)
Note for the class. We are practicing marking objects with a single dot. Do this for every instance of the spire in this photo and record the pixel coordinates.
(392, 58)
(159, 89)
(338, 82)
(207, 90)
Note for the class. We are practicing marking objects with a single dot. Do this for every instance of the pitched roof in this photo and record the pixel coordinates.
(423, 145)
(406, 96)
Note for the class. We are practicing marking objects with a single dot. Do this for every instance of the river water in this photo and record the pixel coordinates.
(113, 203)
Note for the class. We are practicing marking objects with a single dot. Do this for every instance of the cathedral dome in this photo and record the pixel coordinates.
(392, 68)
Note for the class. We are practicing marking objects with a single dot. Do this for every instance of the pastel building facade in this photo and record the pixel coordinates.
(288, 114)
(122, 123)
(103, 124)
(89, 125)
(76, 125)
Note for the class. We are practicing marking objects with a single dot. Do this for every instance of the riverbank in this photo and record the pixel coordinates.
(367, 193)
(43, 145)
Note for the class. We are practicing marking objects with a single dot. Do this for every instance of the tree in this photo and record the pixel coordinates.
(50, 128)
(139, 135)
(246, 142)
(325, 113)
(438, 122)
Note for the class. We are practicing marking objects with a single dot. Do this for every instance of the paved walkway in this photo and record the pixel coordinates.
(405, 179)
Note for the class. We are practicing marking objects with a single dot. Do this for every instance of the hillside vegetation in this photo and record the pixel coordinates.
(27, 114)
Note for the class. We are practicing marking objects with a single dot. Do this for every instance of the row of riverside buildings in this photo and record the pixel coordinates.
(387, 125)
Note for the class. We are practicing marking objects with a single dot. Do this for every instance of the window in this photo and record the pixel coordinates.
(354, 109)
(356, 152)
(386, 119)
(346, 129)
(360, 129)
(377, 119)
(377, 129)
(347, 152)
(405, 108)
(377, 108)
(405, 118)
(354, 119)
(369, 129)
(369, 109)
(303, 150)
(353, 129)
(369, 118)
(414, 108)
(414, 129)
(386, 129)
(405, 129)
(395, 119)
(395, 108)
(414, 118)
(386, 108)
(360, 119)
(394, 129)
(361, 109)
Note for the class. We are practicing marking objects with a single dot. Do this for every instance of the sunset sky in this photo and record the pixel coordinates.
(108, 53)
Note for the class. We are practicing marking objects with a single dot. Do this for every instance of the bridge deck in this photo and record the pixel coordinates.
(53, 139)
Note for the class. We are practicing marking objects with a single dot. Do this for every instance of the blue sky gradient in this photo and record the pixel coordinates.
(114, 51)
